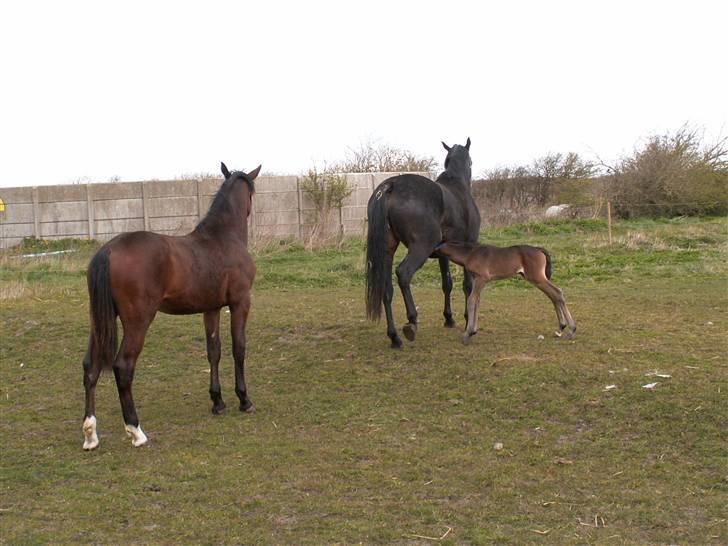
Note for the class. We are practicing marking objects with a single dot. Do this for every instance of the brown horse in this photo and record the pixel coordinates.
(137, 274)
(488, 263)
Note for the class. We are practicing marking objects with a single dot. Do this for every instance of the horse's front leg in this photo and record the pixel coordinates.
(212, 336)
(446, 290)
(238, 319)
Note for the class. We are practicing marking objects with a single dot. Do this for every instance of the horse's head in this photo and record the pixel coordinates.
(458, 159)
(232, 178)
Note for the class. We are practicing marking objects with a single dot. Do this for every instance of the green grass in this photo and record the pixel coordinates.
(353, 442)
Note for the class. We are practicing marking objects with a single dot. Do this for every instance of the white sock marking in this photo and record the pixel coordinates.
(91, 440)
(137, 435)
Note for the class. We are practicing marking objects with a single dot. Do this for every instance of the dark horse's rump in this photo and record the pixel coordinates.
(137, 274)
(419, 213)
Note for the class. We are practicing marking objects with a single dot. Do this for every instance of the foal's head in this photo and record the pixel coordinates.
(458, 159)
(240, 177)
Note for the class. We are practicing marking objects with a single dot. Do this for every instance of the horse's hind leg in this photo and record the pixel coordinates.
(91, 371)
(467, 289)
(405, 271)
(471, 307)
(212, 335)
(124, 364)
(557, 298)
(238, 318)
(446, 290)
(388, 295)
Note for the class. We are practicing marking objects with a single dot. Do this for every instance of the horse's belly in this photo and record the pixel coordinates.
(186, 305)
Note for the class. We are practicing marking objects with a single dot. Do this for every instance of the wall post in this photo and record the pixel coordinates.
(36, 214)
(145, 206)
(90, 212)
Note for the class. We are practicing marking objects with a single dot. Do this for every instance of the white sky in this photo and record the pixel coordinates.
(140, 90)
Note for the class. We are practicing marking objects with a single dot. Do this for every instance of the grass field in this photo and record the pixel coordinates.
(355, 443)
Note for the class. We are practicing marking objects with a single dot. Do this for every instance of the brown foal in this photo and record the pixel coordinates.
(489, 263)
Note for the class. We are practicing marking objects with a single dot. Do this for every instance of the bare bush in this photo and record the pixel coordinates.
(672, 174)
(375, 158)
(511, 192)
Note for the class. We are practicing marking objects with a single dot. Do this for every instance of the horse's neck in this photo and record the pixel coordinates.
(231, 221)
(455, 179)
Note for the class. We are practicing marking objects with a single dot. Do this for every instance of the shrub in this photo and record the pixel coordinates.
(671, 175)
(327, 191)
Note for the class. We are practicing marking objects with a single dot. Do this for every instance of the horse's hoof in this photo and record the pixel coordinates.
(571, 334)
(217, 409)
(88, 446)
(247, 407)
(396, 343)
(466, 339)
(409, 330)
(449, 323)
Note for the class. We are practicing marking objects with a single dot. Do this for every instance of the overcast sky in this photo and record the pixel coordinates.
(139, 90)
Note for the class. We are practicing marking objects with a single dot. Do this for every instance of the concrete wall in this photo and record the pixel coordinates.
(173, 207)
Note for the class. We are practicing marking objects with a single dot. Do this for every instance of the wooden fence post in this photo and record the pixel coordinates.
(299, 206)
(609, 221)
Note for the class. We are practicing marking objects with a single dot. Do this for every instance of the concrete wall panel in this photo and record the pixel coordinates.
(65, 229)
(16, 195)
(63, 211)
(17, 213)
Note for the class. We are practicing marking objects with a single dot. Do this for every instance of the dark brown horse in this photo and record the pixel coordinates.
(489, 263)
(137, 274)
(419, 213)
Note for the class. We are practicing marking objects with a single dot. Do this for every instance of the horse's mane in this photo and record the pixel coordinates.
(222, 204)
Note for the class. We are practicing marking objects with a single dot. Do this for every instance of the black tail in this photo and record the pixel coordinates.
(102, 310)
(548, 262)
(376, 255)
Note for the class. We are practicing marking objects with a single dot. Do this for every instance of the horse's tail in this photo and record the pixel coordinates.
(376, 270)
(548, 262)
(102, 344)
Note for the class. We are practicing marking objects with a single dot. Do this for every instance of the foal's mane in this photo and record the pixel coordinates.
(223, 204)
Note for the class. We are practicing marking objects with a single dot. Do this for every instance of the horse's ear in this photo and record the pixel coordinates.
(224, 170)
(255, 172)
(446, 146)
(467, 144)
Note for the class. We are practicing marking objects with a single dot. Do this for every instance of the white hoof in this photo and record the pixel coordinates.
(138, 438)
(91, 440)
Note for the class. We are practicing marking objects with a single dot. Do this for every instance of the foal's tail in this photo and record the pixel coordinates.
(376, 270)
(102, 344)
(548, 262)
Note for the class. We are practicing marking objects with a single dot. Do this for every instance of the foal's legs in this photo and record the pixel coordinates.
(467, 289)
(416, 256)
(212, 335)
(238, 318)
(471, 310)
(446, 290)
(557, 298)
(124, 364)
